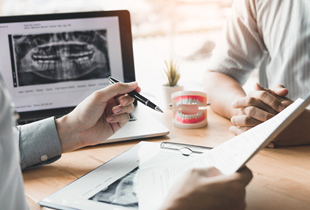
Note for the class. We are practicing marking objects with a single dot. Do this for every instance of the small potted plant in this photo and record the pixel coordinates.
(172, 76)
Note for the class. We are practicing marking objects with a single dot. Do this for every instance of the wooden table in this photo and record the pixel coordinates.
(281, 176)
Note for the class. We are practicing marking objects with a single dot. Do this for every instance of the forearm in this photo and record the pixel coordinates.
(221, 91)
(297, 133)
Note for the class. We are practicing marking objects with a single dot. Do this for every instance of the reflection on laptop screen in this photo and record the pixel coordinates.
(50, 64)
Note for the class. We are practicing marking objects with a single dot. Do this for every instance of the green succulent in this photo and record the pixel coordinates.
(172, 72)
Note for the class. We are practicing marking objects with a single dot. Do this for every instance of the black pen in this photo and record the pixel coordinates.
(137, 96)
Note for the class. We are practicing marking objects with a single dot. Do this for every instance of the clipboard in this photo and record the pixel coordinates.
(184, 149)
(99, 189)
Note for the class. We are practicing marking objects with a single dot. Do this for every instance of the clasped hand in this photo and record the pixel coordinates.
(257, 107)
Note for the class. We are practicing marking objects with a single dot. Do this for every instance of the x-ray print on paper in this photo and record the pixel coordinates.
(64, 56)
(122, 192)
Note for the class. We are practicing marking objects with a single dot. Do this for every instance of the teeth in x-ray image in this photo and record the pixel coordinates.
(62, 56)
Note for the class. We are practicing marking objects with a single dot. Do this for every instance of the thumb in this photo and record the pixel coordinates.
(280, 90)
(244, 175)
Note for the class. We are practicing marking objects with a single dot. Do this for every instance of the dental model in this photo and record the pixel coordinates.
(189, 109)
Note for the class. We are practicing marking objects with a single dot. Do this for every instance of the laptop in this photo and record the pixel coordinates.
(51, 62)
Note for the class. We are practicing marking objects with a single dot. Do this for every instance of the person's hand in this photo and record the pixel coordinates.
(257, 107)
(209, 189)
(97, 117)
(279, 91)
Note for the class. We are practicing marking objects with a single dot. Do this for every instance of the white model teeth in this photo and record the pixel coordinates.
(189, 117)
(188, 101)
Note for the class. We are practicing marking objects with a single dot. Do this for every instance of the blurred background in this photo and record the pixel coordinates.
(185, 30)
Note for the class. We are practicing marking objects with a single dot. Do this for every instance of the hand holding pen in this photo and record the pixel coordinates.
(139, 97)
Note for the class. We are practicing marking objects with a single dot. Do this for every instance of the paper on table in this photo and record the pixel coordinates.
(112, 185)
(227, 157)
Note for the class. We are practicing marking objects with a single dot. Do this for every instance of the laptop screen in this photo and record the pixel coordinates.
(50, 63)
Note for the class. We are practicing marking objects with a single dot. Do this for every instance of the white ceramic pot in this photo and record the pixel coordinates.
(167, 91)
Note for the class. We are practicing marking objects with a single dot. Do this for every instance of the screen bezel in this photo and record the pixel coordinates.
(126, 49)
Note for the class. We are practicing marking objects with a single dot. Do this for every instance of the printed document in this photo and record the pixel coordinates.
(227, 157)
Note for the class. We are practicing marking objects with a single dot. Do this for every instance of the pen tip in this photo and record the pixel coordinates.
(158, 109)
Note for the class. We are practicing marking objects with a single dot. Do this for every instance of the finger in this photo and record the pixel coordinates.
(257, 87)
(270, 145)
(269, 99)
(244, 120)
(257, 114)
(252, 101)
(244, 175)
(111, 91)
(280, 90)
(237, 131)
(280, 86)
(118, 118)
(138, 89)
(123, 109)
(109, 107)
(113, 107)
(210, 172)
(124, 100)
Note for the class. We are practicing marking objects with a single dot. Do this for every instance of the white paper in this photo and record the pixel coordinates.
(227, 157)
(154, 183)
(112, 185)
